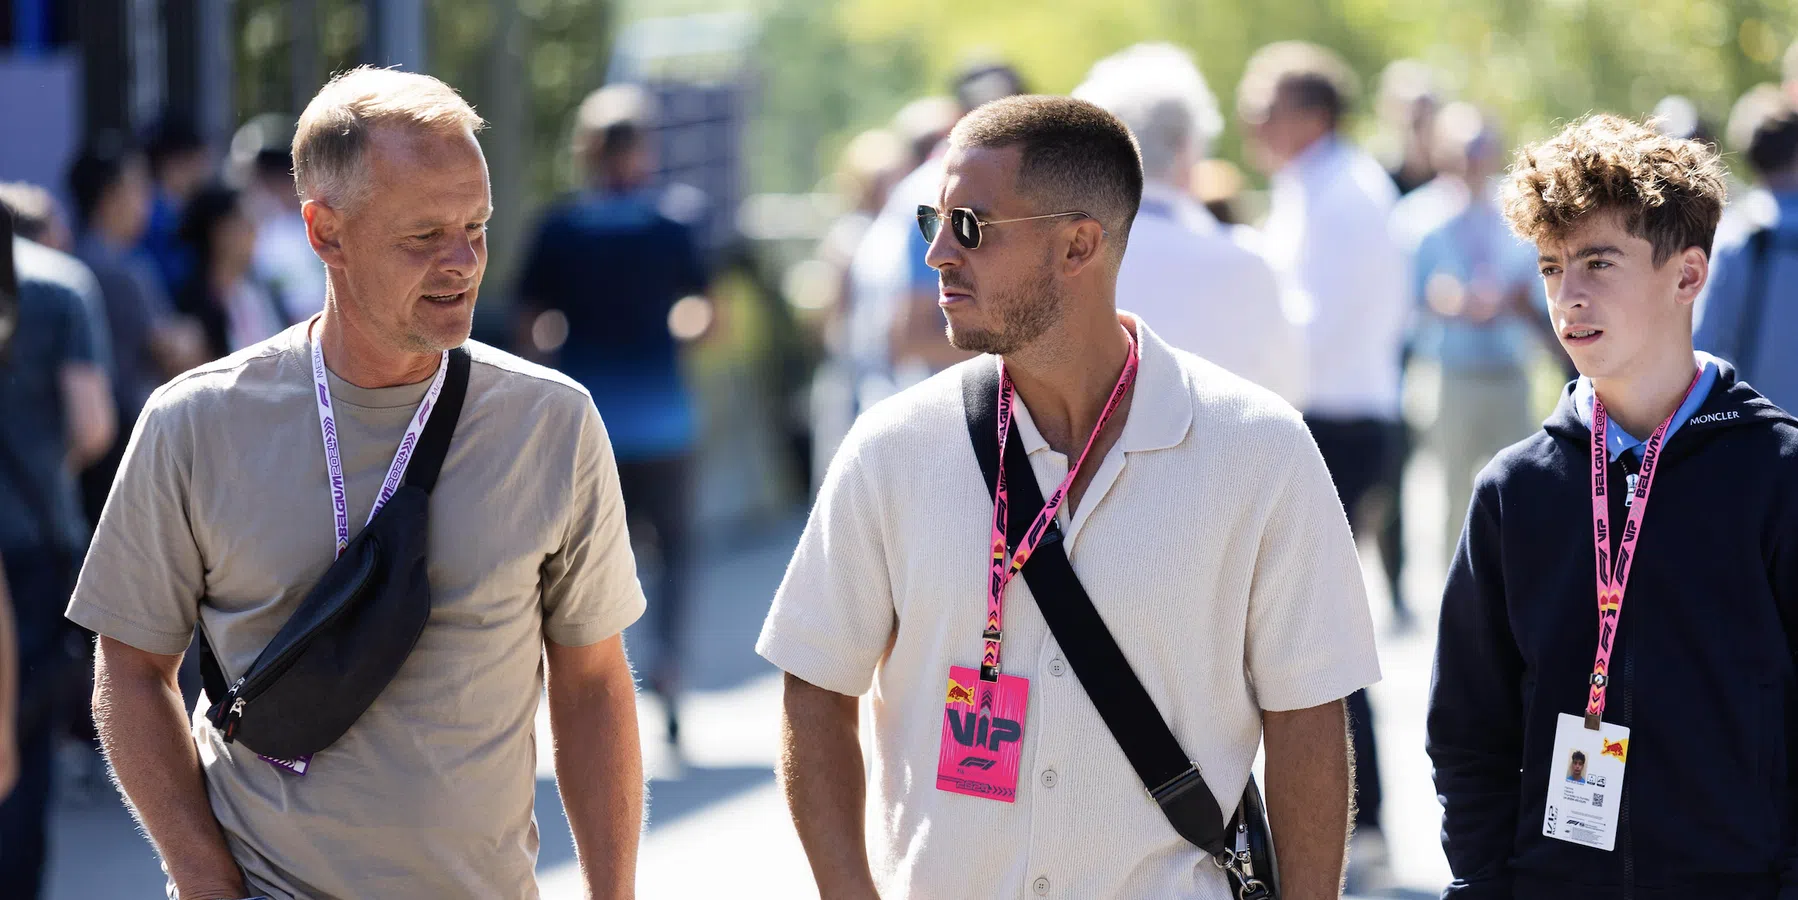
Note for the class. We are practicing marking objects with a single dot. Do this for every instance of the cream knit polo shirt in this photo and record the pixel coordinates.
(1211, 541)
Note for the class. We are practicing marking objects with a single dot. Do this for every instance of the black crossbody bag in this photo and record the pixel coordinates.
(353, 631)
(1243, 847)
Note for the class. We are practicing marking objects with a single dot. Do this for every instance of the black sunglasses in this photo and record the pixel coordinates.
(966, 226)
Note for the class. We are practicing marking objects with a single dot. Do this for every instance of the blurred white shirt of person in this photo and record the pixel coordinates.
(283, 259)
(895, 328)
(823, 286)
(1326, 229)
(1326, 234)
(1477, 295)
(1197, 281)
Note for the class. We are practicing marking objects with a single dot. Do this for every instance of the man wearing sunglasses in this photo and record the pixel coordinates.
(1195, 510)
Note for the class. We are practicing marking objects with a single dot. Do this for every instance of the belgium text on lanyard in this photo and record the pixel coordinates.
(1585, 772)
(992, 723)
(1613, 575)
(327, 422)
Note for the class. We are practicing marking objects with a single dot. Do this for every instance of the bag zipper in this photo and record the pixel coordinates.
(244, 691)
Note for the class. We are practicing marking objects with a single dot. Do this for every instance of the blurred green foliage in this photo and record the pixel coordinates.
(835, 66)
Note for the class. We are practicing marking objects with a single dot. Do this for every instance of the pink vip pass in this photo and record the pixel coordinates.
(981, 750)
(983, 710)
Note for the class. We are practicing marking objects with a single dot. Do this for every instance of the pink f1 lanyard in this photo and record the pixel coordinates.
(327, 423)
(1613, 575)
(1003, 570)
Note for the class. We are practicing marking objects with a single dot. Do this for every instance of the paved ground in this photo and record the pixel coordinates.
(717, 825)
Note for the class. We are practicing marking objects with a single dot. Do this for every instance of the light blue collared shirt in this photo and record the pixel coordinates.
(1619, 440)
(1723, 316)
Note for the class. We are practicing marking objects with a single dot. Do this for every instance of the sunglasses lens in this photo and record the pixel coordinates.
(967, 230)
(929, 222)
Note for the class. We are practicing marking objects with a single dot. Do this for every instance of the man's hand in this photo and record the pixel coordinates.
(599, 762)
(1308, 789)
(826, 787)
(138, 707)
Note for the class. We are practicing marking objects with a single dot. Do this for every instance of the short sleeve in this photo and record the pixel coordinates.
(79, 337)
(590, 587)
(833, 615)
(143, 578)
(1310, 636)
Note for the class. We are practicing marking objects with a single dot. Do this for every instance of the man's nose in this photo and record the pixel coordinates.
(463, 257)
(943, 250)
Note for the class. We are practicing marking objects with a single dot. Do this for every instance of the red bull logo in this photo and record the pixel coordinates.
(1616, 748)
(1610, 601)
(959, 693)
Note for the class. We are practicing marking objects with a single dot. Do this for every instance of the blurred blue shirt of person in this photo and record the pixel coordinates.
(614, 260)
(1749, 314)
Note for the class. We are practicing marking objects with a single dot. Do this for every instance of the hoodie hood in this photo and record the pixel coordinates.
(1732, 403)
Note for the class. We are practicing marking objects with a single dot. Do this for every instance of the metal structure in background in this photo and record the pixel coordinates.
(77, 67)
(396, 34)
(696, 67)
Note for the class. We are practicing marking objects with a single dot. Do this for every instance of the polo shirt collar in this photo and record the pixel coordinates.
(1160, 409)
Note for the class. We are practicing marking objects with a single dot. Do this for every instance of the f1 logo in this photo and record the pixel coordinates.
(978, 762)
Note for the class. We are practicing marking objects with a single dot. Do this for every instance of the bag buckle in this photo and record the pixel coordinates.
(1171, 789)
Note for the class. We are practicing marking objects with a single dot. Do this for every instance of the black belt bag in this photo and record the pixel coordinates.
(353, 631)
(1244, 846)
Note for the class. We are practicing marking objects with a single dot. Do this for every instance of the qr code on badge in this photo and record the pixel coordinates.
(1597, 801)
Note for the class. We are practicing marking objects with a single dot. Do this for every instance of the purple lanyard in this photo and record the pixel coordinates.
(327, 423)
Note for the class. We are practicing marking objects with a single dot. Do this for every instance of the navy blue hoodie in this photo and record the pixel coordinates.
(1702, 670)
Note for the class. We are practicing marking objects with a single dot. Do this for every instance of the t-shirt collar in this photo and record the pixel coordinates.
(1620, 440)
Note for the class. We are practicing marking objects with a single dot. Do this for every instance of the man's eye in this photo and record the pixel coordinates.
(1600, 264)
(477, 228)
(1550, 271)
(426, 237)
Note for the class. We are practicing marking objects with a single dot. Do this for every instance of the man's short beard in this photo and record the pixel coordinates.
(1024, 315)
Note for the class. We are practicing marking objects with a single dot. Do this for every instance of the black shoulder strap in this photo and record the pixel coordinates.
(433, 443)
(427, 462)
(1170, 776)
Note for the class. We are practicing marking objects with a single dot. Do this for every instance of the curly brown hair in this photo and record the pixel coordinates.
(1668, 191)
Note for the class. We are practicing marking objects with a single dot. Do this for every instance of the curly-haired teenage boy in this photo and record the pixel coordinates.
(1576, 619)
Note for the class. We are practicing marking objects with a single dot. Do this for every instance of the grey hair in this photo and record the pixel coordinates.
(333, 132)
(1156, 90)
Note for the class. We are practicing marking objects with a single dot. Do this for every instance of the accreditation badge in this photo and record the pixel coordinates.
(1585, 782)
(982, 748)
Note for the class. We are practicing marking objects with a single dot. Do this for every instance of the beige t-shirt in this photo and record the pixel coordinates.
(221, 516)
(1211, 541)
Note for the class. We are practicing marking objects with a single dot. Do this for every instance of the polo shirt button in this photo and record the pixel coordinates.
(1041, 886)
(1056, 668)
(1049, 778)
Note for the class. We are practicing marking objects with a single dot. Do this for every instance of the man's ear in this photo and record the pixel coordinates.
(1694, 271)
(324, 230)
(1085, 244)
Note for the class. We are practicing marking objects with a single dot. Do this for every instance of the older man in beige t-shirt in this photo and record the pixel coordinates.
(222, 519)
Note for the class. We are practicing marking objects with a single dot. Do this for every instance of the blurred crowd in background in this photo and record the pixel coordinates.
(1349, 255)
